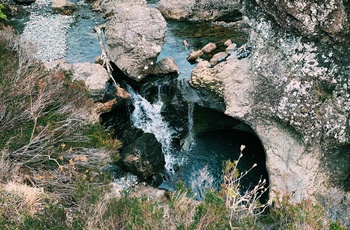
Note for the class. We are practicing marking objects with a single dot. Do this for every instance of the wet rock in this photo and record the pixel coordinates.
(228, 42)
(208, 48)
(165, 66)
(105, 107)
(64, 7)
(94, 76)
(194, 55)
(203, 63)
(203, 10)
(24, 1)
(219, 57)
(96, 5)
(134, 35)
(232, 47)
(143, 157)
(208, 78)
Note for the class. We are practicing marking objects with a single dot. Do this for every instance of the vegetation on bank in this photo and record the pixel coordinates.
(51, 156)
(2, 15)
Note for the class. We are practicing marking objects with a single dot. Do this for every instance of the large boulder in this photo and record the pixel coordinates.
(143, 157)
(309, 17)
(134, 35)
(202, 10)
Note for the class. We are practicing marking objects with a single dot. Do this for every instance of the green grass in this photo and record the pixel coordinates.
(2, 15)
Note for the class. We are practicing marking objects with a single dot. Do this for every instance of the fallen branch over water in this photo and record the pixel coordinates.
(104, 55)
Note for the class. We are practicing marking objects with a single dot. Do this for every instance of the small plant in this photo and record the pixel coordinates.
(2, 15)
(241, 203)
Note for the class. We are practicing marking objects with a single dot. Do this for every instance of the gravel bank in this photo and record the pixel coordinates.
(47, 31)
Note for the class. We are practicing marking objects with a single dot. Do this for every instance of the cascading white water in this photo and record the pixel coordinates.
(148, 118)
(190, 120)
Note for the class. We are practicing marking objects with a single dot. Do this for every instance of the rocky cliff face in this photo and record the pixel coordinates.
(293, 90)
(203, 10)
(309, 18)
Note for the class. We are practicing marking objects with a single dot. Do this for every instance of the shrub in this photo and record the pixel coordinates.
(241, 203)
(46, 139)
(2, 15)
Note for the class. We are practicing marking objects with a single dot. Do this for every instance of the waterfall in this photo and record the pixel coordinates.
(190, 120)
(148, 118)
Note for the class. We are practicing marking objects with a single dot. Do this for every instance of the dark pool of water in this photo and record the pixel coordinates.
(212, 149)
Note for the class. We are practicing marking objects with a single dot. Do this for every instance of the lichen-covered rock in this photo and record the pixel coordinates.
(230, 80)
(294, 94)
(134, 35)
(202, 10)
(308, 17)
(207, 78)
(301, 86)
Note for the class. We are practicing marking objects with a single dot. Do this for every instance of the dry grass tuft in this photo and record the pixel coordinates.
(30, 199)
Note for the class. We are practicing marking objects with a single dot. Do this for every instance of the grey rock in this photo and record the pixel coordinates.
(208, 48)
(143, 157)
(194, 55)
(292, 93)
(228, 42)
(165, 66)
(64, 7)
(232, 47)
(135, 35)
(218, 57)
(94, 76)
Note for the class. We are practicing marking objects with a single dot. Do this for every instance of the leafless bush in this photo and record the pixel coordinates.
(7, 170)
(41, 111)
(242, 204)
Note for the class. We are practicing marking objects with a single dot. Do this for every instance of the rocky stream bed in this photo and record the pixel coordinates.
(283, 90)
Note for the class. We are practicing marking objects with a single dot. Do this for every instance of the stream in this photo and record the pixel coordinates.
(195, 135)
